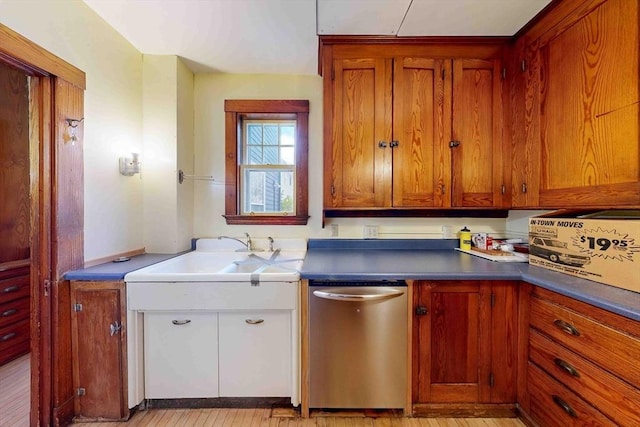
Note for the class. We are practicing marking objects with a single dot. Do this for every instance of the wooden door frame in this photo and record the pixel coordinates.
(50, 255)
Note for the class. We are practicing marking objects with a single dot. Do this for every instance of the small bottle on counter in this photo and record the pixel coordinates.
(465, 239)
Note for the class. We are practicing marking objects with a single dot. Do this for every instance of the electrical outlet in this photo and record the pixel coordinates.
(370, 232)
(334, 230)
(446, 232)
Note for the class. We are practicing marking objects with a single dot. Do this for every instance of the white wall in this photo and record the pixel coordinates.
(210, 92)
(113, 112)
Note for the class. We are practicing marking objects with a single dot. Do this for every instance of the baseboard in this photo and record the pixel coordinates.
(465, 410)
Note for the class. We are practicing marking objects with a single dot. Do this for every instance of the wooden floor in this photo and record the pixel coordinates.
(14, 393)
(14, 412)
(264, 418)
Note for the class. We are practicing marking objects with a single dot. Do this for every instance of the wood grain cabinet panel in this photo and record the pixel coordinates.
(98, 323)
(582, 112)
(362, 122)
(464, 342)
(412, 132)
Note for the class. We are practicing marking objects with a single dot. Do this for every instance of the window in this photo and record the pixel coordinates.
(266, 162)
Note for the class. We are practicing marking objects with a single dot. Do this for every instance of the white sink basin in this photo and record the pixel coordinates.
(219, 265)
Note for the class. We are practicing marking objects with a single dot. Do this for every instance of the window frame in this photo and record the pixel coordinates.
(235, 112)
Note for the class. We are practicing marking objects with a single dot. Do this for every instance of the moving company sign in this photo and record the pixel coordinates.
(606, 250)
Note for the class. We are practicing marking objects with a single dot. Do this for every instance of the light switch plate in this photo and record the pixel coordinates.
(334, 230)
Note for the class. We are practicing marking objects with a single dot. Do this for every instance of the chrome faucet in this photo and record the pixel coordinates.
(248, 244)
(270, 243)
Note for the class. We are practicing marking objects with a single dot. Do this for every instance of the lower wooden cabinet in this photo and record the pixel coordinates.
(464, 342)
(582, 364)
(98, 327)
(181, 355)
(14, 314)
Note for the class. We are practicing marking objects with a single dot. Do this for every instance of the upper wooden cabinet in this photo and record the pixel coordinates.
(579, 111)
(407, 127)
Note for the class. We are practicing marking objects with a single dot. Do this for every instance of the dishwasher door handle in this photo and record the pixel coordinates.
(337, 296)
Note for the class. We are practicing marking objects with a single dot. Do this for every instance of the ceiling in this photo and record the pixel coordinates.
(281, 36)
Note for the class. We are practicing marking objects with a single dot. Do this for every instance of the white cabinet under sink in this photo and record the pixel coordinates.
(181, 355)
(255, 354)
(242, 338)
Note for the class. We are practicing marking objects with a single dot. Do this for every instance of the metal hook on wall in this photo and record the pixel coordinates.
(73, 124)
(182, 176)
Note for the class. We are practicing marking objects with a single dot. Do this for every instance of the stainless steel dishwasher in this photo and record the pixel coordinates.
(357, 344)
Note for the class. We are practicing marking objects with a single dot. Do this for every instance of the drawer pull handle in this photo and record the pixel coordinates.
(566, 367)
(10, 289)
(9, 312)
(565, 406)
(566, 327)
(7, 337)
(181, 322)
(254, 321)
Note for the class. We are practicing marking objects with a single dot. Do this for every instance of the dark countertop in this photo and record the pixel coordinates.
(342, 259)
(117, 270)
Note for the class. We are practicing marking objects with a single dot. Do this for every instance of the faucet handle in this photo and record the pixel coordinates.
(270, 243)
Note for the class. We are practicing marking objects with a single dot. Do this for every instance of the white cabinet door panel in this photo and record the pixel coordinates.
(181, 355)
(255, 354)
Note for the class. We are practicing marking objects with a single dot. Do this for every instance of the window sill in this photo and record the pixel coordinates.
(266, 219)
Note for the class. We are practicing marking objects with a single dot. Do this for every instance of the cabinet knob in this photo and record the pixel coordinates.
(394, 144)
(382, 144)
(421, 310)
(454, 144)
(524, 187)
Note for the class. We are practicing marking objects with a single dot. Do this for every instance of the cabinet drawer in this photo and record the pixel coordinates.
(14, 288)
(14, 334)
(613, 397)
(613, 350)
(552, 404)
(13, 311)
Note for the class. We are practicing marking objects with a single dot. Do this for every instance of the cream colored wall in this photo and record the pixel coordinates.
(168, 146)
(210, 92)
(113, 112)
(185, 149)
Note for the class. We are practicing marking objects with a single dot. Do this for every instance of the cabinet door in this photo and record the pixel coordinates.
(421, 117)
(585, 120)
(453, 345)
(255, 354)
(99, 349)
(359, 156)
(524, 165)
(477, 127)
(181, 355)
